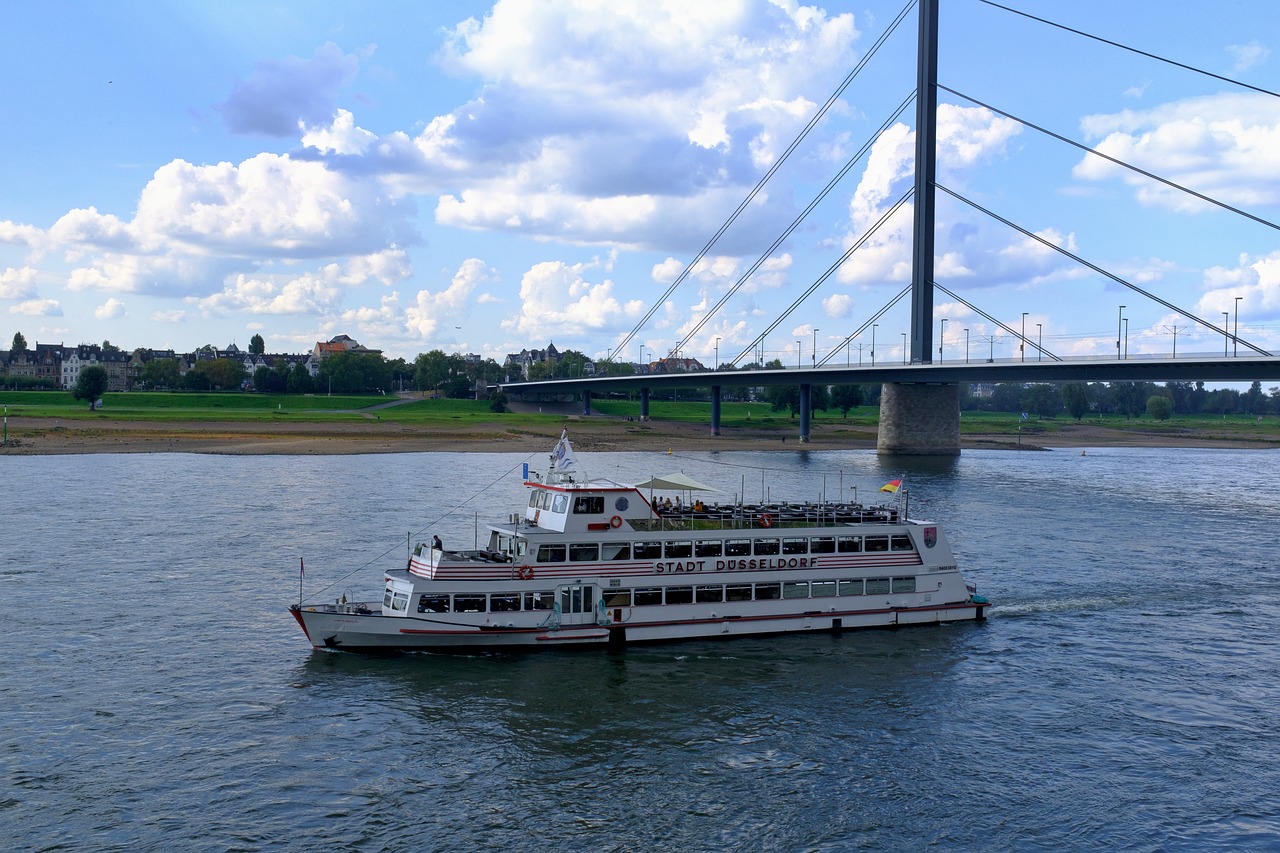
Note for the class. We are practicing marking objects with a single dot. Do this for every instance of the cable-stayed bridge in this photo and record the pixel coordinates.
(919, 403)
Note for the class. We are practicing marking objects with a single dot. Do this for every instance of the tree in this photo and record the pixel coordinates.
(1044, 400)
(91, 385)
(1076, 399)
(19, 343)
(161, 373)
(107, 346)
(846, 397)
(498, 402)
(257, 346)
(1159, 407)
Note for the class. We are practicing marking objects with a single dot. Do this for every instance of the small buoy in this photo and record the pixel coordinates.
(1082, 453)
(668, 451)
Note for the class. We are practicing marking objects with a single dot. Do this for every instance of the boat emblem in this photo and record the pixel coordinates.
(930, 536)
(621, 504)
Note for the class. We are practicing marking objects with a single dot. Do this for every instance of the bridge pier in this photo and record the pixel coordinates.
(715, 409)
(806, 397)
(919, 420)
(644, 404)
(586, 402)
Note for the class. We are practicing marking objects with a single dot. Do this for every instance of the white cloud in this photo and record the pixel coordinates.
(18, 283)
(1247, 56)
(1255, 279)
(424, 317)
(340, 137)
(175, 315)
(555, 298)
(1226, 147)
(109, 310)
(38, 308)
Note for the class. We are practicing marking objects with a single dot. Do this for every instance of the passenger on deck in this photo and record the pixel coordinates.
(666, 505)
(698, 506)
(678, 507)
(436, 544)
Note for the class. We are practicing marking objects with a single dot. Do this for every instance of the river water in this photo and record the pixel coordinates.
(157, 695)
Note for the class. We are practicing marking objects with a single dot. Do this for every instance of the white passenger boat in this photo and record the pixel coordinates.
(599, 563)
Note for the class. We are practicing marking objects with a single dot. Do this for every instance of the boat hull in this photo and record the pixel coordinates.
(373, 632)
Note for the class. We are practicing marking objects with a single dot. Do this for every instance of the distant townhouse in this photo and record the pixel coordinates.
(520, 362)
(339, 344)
(675, 365)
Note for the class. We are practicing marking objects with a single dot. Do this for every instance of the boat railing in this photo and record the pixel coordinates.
(766, 516)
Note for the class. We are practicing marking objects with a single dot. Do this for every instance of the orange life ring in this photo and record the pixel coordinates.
(766, 520)
(615, 522)
(525, 573)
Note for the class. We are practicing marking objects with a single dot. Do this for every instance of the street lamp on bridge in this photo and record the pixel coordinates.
(942, 338)
(966, 346)
(1225, 335)
(1235, 334)
(815, 347)
(904, 347)
(1039, 341)
(717, 367)
(1119, 323)
(1126, 338)
(798, 365)
(1022, 343)
(873, 344)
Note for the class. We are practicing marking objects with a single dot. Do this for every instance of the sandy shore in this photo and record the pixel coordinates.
(35, 436)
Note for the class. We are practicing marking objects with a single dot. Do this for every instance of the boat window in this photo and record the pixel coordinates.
(738, 592)
(766, 546)
(709, 594)
(433, 604)
(571, 600)
(768, 591)
(617, 598)
(468, 604)
(386, 598)
(615, 551)
(543, 499)
(708, 548)
(795, 589)
(679, 549)
(560, 504)
(737, 547)
(533, 497)
(679, 595)
(400, 601)
(904, 584)
(539, 600)
(648, 550)
(588, 505)
(822, 545)
(795, 546)
(877, 543)
(504, 544)
(504, 602)
(848, 544)
(522, 547)
(901, 542)
(877, 586)
(822, 589)
(550, 553)
(648, 596)
(584, 553)
(851, 587)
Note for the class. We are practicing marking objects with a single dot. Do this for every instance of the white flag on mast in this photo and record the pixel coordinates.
(562, 458)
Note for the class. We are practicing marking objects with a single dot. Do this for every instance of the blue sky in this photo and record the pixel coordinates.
(481, 177)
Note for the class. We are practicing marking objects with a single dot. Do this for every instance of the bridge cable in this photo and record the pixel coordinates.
(795, 143)
(1100, 270)
(1008, 329)
(826, 275)
(1118, 162)
(764, 256)
(1154, 56)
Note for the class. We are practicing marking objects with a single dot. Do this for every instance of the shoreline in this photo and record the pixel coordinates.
(52, 437)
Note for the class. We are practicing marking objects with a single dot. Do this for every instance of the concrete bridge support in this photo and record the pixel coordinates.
(806, 407)
(586, 402)
(919, 420)
(715, 409)
(644, 404)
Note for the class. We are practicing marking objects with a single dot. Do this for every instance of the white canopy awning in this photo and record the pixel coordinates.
(675, 483)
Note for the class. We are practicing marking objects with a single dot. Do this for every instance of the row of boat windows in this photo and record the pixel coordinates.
(501, 602)
(582, 505)
(588, 552)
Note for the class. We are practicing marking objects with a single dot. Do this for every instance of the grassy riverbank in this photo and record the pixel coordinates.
(52, 422)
